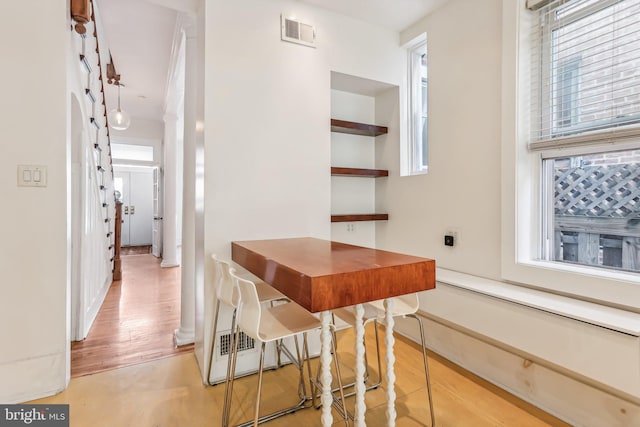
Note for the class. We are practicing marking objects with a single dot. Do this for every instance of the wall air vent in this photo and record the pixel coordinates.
(297, 32)
(244, 343)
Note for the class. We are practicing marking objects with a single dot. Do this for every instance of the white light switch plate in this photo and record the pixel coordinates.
(32, 176)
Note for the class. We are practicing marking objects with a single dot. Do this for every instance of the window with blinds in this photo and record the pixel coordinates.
(585, 72)
(585, 123)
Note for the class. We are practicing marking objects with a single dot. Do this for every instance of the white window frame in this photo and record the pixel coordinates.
(522, 188)
(416, 149)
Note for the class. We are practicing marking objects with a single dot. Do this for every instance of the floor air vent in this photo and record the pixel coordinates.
(244, 343)
(297, 32)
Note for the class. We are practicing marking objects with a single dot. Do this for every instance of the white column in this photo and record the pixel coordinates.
(186, 333)
(169, 211)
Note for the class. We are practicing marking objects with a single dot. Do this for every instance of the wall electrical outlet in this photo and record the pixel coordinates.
(452, 237)
(351, 227)
(449, 240)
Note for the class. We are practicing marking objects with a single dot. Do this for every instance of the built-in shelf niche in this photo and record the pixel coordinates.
(358, 131)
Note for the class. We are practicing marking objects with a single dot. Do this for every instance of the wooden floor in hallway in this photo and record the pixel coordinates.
(137, 320)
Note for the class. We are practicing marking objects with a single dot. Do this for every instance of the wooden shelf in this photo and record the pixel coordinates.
(366, 173)
(354, 128)
(359, 217)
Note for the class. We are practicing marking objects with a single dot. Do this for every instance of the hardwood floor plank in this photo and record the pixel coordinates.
(137, 320)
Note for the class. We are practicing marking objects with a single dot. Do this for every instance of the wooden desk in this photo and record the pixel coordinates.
(322, 275)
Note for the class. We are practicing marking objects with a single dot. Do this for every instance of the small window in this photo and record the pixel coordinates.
(132, 152)
(566, 100)
(418, 119)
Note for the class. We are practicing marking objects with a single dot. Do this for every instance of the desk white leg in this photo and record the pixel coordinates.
(361, 407)
(390, 359)
(325, 366)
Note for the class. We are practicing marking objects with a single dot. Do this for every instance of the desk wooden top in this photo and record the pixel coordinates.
(322, 275)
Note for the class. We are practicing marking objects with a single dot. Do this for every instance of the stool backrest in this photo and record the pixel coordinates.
(249, 308)
(412, 302)
(226, 290)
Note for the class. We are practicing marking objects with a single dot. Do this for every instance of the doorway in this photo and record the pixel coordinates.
(137, 189)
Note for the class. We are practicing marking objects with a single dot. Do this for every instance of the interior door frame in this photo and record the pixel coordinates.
(156, 234)
(126, 170)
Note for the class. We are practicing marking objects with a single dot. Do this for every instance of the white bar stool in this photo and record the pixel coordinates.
(268, 324)
(226, 293)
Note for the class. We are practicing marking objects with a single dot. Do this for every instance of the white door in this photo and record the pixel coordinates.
(156, 247)
(137, 206)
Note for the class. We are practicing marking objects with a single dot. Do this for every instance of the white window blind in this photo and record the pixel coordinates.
(585, 74)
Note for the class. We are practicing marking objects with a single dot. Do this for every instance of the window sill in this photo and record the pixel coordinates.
(602, 273)
(416, 173)
(595, 314)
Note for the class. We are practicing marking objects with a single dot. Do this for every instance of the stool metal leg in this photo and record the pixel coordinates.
(257, 414)
(213, 341)
(336, 361)
(426, 367)
(231, 370)
(305, 348)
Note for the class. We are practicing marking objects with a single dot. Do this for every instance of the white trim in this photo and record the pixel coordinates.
(614, 319)
(94, 308)
(184, 336)
(407, 167)
(575, 348)
(536, 4)
(169, 263)
(34, 377)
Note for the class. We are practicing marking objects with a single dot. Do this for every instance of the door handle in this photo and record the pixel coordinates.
(157, 218)
(132, 210)
(126, 210)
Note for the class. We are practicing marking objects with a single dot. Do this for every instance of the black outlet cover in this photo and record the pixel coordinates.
(448, 240)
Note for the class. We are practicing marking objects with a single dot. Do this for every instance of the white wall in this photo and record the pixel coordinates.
(140, 128)
(267, 103)
(530, 352)
(462, 188)
(34, 245)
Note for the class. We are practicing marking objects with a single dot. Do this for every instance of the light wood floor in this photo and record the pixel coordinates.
(169, 392)
(137, 320)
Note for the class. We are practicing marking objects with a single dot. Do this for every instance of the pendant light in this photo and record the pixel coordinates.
(118, 118)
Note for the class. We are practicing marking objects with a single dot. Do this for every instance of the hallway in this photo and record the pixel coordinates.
(137, 319)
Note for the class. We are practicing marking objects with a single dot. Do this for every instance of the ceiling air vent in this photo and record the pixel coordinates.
(297, 32)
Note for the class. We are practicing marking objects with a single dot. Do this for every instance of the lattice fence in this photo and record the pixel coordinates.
(611, 191)
(597, 215)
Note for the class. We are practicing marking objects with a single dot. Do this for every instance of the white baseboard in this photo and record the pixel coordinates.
(33, 378)
(184, 337)
(93, 311)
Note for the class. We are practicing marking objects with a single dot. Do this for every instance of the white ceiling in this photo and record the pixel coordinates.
(139, 34)
(395, 15)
